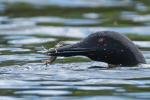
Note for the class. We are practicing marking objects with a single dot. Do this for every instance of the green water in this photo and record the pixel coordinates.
(26, 27)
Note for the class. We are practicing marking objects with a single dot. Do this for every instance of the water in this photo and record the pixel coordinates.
(23, 75)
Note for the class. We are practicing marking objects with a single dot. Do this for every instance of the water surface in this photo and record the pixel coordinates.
(25, 29)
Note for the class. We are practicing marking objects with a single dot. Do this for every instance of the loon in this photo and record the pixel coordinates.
(105, 46)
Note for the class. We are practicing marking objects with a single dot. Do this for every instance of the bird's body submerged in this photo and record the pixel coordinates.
(105, 46)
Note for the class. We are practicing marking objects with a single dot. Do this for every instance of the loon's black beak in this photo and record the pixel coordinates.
(69, 50)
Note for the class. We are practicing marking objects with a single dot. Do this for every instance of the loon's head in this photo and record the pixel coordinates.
(106, 46)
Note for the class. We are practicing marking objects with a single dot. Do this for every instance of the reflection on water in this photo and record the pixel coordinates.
(25, 31)
(77, 3)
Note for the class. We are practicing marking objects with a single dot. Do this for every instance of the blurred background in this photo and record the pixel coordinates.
(102, 13)
(26, 26)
